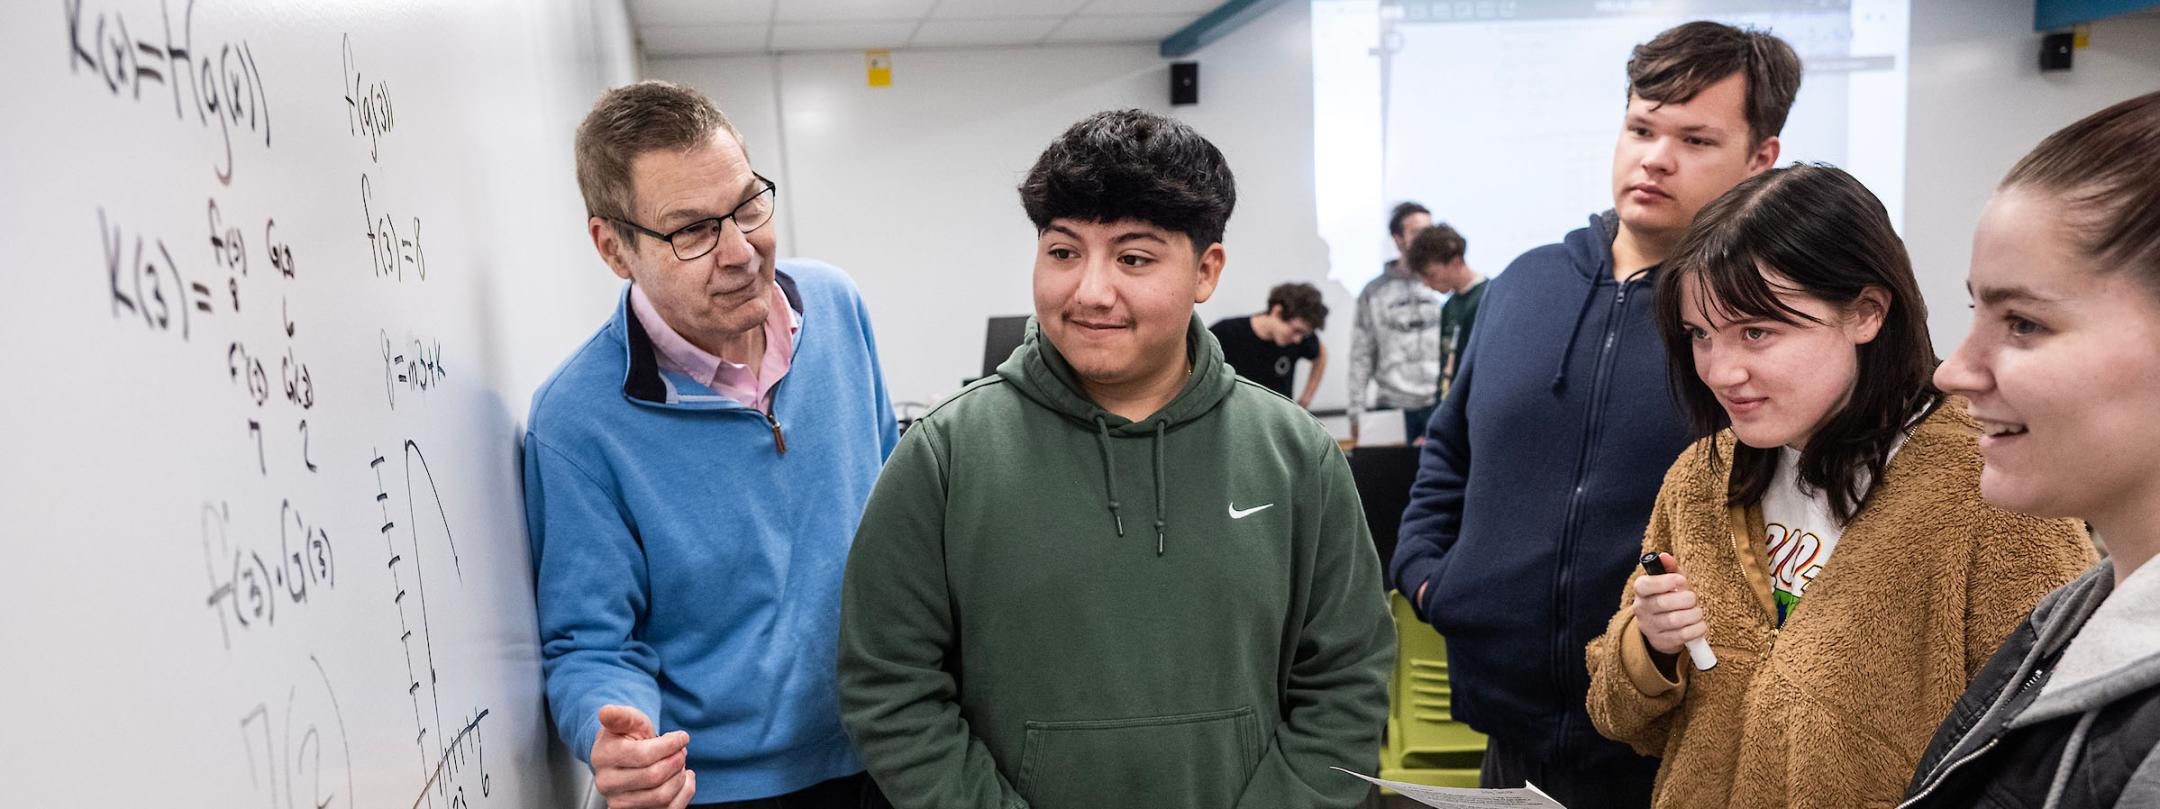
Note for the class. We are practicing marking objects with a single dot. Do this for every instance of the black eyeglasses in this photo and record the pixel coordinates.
(695, 240)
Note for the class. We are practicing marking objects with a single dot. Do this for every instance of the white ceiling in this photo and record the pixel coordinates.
(716, 27)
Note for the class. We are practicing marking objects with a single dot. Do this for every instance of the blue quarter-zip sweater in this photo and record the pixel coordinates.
(688, 549)
(1534, 486)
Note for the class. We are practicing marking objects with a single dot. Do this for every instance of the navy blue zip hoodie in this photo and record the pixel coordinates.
(1533, 489)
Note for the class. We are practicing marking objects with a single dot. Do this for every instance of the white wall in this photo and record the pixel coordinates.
(1978, 103)
(1256, 105)
(910, 187)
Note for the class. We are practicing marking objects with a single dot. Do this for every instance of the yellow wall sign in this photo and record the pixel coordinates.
(879, 63)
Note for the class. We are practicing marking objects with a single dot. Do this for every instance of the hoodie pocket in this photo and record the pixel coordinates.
(1187, 761)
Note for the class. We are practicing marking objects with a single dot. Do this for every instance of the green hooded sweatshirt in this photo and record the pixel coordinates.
(1051, 606)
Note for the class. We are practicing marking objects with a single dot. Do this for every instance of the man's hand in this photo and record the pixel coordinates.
(634, 769)
(1666, 611)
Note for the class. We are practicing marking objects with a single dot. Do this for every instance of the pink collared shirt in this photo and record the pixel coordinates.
(746, 384)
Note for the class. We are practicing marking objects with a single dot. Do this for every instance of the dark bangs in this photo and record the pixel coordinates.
(1730, 286)
(1827, 237)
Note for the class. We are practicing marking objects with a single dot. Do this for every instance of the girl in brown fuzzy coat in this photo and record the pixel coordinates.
(1839, 559)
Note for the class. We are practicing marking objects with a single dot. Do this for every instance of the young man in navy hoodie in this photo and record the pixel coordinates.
(693, 476)
(1539, 469)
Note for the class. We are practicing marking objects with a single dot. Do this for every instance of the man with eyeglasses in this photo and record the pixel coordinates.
(693, 478)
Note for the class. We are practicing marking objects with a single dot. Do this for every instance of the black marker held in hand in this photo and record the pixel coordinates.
(1698, 649)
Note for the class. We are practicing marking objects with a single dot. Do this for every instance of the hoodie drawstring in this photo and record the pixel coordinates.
(1102, 440)
(2072, 751)
(1161, 504)
(1559, 377)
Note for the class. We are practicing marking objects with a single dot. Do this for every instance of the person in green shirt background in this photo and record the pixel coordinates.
(1436, 256)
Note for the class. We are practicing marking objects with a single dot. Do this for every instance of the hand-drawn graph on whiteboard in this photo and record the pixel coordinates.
(427, 574)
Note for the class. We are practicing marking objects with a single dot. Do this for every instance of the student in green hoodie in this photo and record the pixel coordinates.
(1114, 574)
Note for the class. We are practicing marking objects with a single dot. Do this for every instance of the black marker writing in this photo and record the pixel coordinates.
(368, 112)
(413, 365)
(227, 249)
(392, 250)
(299, 381)
(280, 252)
(261, 463)
(224, 83)
(245, 588)
(247, 369)
(302, 752)
(145, 280)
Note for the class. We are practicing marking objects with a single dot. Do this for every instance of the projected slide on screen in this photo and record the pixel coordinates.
(1501, 116)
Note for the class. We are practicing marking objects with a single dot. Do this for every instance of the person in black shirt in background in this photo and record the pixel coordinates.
(1266, 347)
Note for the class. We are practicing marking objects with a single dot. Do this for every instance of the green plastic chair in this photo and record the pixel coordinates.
(1424, 743)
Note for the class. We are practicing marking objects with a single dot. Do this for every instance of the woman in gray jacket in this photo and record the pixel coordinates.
(2062, 368)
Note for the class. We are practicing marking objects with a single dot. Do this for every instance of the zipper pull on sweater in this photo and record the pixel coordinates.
(779, 441)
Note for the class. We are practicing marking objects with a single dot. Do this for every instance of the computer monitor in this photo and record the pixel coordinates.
(1000, 339)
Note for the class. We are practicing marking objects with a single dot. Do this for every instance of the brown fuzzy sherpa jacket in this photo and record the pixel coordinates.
(1834, 709)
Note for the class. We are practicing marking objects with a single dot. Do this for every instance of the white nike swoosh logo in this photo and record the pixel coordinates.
(1237, 514)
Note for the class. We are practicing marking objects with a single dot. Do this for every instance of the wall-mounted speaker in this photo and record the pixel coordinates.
(2055, 51)
(1185, 83)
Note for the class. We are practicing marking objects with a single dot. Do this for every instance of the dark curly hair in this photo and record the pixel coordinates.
(1300, 302)
(1438, 244)
(1133, 164)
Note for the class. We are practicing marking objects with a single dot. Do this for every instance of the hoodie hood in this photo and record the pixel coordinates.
(1591, 247)
(1041, 374)
(2115, 651)
(2105, 650)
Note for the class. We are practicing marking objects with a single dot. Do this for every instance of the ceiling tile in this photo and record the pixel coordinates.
(823, 11)
(649, 13)
(840, 36)
(700, 40)
(1101, 8)
(961, 33)
(997, 9)
(1147, 28)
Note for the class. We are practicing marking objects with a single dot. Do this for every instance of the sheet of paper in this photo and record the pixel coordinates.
(1382, 428)
(1447, 798)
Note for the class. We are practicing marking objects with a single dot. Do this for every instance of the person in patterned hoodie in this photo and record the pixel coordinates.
(1395, 340)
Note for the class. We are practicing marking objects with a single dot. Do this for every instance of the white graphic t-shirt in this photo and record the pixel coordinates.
(1799, 531)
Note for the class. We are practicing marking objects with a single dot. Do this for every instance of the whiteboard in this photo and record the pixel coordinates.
(281, 278)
